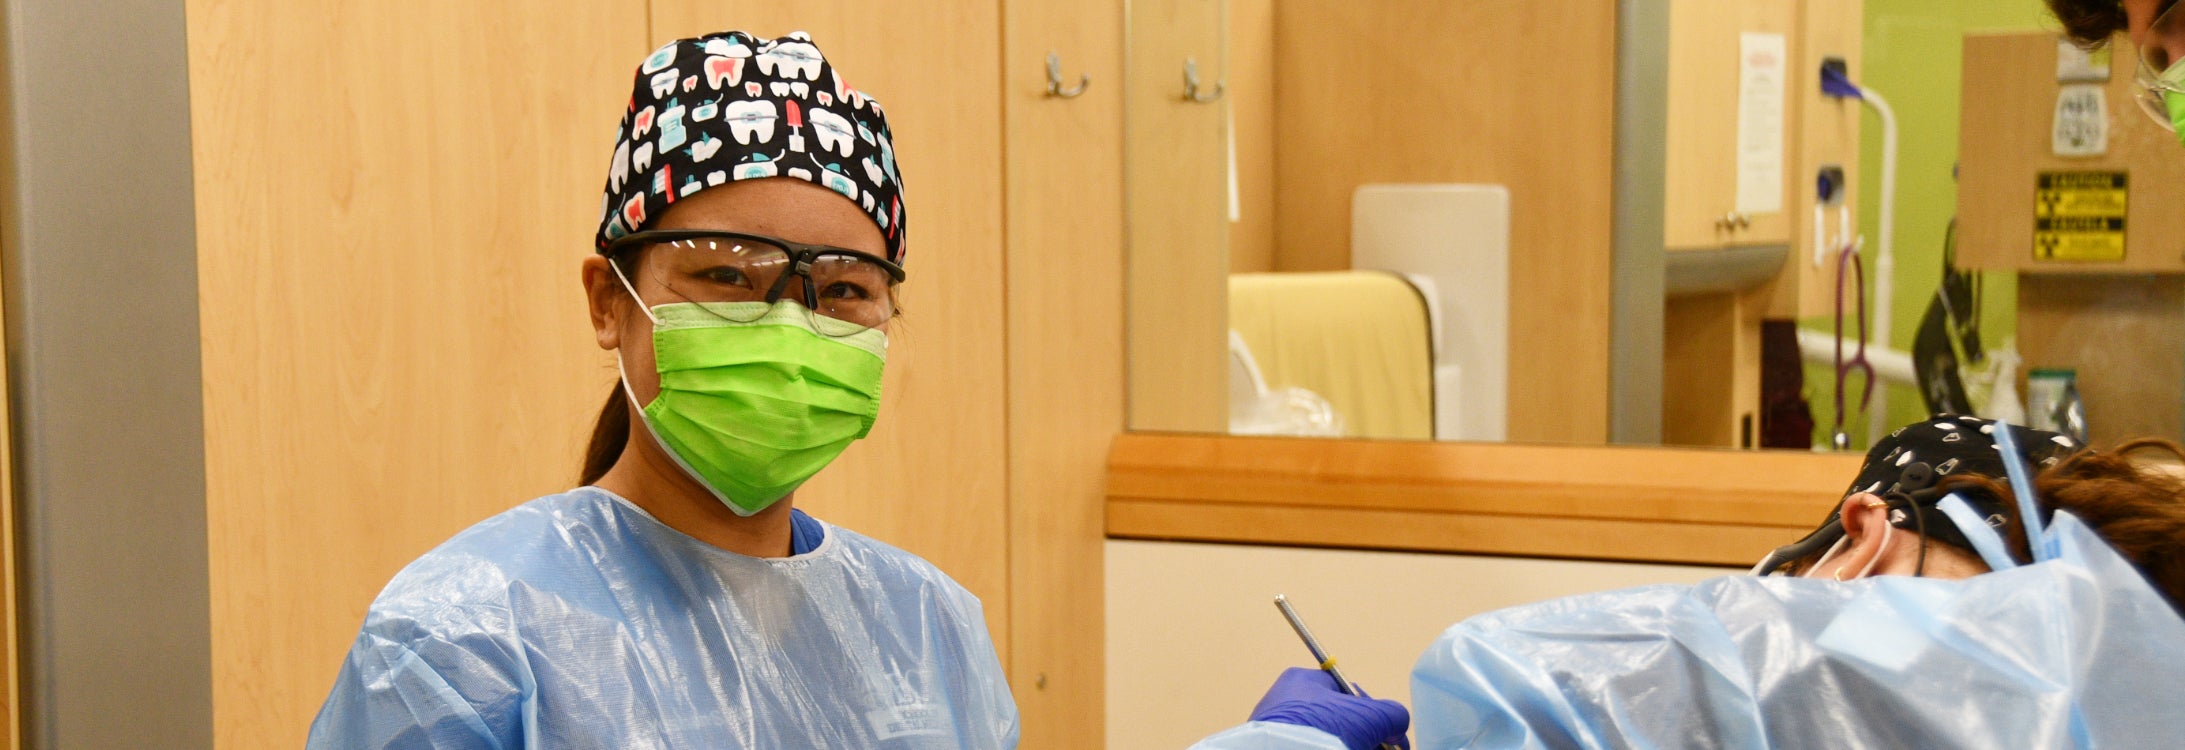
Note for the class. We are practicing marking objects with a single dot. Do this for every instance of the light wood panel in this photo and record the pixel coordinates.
(11, 696)
(1700, 185)
(1252, 126)
(392, 202)
(1705, 507)
(2124, 334)
(1711, 370)
(1065, 334)
(1430, 91)
(2010, 81)
(931, 478)
(1178, 329)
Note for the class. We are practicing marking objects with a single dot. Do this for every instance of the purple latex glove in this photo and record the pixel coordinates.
(1309, 698)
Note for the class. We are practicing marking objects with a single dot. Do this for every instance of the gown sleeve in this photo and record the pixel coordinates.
(394, 695)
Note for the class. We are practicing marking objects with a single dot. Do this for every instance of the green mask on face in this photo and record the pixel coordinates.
(2173, 100)
(753, 409)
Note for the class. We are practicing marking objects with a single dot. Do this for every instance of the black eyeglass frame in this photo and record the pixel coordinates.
(801, 255)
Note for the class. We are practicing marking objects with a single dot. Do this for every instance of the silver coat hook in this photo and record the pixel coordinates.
(1191, 84)
(1054, 79)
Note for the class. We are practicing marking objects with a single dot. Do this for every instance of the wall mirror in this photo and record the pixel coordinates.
(1643, 223)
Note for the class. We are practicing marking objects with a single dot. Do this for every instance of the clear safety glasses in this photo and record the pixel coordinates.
(847, 291)
(2163, 46)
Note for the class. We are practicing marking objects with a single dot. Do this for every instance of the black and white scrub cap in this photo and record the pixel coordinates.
(724, 107)
(1901, 467)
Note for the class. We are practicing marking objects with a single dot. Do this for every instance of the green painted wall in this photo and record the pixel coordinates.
(1912, 56)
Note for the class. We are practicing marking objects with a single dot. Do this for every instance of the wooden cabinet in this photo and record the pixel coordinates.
(1701, 209)
(2010, 81)
(1179, 235)
(1711, 342)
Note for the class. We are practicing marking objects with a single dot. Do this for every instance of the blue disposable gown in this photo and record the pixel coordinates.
(578, 621)
(2074, 652)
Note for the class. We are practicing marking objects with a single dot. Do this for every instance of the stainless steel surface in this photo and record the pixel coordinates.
(1731, 269)
(102, 341)
(1636, 262)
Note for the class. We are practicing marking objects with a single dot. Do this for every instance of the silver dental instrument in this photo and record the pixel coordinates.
(1320, 655)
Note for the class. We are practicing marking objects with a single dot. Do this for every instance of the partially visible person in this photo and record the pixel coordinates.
(1923, 616)
(2157, 32)
(748, 253)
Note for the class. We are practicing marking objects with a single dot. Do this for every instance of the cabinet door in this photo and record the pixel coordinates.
(1701, 184)
(1065, 340)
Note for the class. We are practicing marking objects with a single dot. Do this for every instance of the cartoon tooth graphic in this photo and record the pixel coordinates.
(704, 148)
(659, 60)
(619, 172)
(716, 178)
(801, 89)
(663, 83)
(642, 123)
(633, 211)
(873, 173)
(778, 88)
(754, 89)
(690, 83)
(832, 132)
(643, 158)
(719, 70)
(797, 59)
(826, 99)
(750, 121)
(866, 201)
(800, 173)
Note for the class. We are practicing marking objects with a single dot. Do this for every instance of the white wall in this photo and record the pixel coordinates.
(1194, 637)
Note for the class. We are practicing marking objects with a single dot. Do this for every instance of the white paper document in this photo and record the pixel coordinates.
(1761, 69)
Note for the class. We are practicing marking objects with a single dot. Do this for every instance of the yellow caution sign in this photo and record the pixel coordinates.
(2079, 216)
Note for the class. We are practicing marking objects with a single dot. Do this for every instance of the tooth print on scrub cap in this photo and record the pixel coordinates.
(714, 109)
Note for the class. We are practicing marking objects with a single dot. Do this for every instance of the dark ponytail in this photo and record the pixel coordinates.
(609, 436)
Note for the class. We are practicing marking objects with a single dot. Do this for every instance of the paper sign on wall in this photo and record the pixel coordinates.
(2077, 65)
(2079, 216)
(1761, 65)
(2082, 121)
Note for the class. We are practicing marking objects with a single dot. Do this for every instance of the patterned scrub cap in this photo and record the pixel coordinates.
(723, 107)
(1947, 446)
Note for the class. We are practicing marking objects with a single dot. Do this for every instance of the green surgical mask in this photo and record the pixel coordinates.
(753, 409)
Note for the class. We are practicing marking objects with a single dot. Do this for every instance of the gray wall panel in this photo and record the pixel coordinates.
(102, 344)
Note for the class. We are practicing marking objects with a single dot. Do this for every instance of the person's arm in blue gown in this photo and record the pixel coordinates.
(399, 695)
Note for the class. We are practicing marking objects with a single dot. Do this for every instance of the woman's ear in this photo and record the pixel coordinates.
(1866, 521)
(608, 300)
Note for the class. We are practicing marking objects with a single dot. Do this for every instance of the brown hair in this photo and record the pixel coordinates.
(610, 435)
(2135, 505)
(2090, 23)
